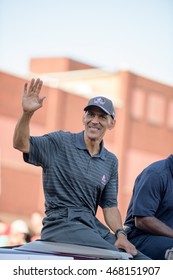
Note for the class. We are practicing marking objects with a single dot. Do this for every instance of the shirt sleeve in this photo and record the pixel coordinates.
(110, 192)
(147, 194)
(43, 149)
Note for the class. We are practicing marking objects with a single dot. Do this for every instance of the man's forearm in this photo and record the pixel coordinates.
(113, 218)
(22, 133)
(154, 226)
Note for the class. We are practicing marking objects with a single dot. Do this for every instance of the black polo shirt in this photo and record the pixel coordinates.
(71, 177)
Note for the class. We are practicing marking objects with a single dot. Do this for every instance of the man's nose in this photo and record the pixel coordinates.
(95, 119)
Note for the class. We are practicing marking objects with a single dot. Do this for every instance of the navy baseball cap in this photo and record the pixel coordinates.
(103, 103)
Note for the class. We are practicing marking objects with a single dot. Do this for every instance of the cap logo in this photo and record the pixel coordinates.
(99, 100)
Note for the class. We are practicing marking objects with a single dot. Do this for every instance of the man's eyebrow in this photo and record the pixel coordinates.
(102, 114)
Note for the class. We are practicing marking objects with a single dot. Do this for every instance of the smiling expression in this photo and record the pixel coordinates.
(96, 123)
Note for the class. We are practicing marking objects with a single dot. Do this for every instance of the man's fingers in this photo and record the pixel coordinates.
(25, 88)
(132, 250)
(41, 99)
(37, 86)
(34, 87)
(31, 86)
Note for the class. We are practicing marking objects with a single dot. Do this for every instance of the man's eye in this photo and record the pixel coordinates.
(91, 114)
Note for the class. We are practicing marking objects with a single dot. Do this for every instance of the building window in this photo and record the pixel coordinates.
(155, 109)
(137, 103)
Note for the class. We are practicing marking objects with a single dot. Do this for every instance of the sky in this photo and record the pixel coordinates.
(136, 35)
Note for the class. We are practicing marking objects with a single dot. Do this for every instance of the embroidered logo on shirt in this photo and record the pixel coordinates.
(103, 180)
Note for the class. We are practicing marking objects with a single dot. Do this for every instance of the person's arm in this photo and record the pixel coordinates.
(113, 220)
(31, 102)
(154, 226)
(22, 133)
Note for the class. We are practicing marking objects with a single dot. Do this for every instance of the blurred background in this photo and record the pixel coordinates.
(118, 48)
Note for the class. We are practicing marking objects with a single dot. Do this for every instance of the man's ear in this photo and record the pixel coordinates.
(111, 123)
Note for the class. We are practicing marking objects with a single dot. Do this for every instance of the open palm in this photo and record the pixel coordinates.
(31, 100)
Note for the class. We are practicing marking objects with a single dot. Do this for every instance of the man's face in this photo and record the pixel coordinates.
(96, 123)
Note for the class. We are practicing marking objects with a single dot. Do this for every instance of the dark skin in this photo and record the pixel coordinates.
(154, 226)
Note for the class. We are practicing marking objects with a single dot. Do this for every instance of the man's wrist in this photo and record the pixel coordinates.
(120, 231)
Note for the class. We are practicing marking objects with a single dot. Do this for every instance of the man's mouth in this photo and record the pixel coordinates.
(94, 127)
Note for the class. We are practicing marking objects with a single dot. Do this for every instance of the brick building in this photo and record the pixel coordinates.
(143, 131)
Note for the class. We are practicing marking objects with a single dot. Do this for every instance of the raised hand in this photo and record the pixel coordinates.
(31, 100)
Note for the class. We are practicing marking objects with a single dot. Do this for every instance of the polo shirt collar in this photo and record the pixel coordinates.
(80, 144)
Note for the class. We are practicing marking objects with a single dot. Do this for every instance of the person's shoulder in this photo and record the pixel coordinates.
(58, 137)
(59, 133)
(157, 168)
(110, 155)
(159, 165)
